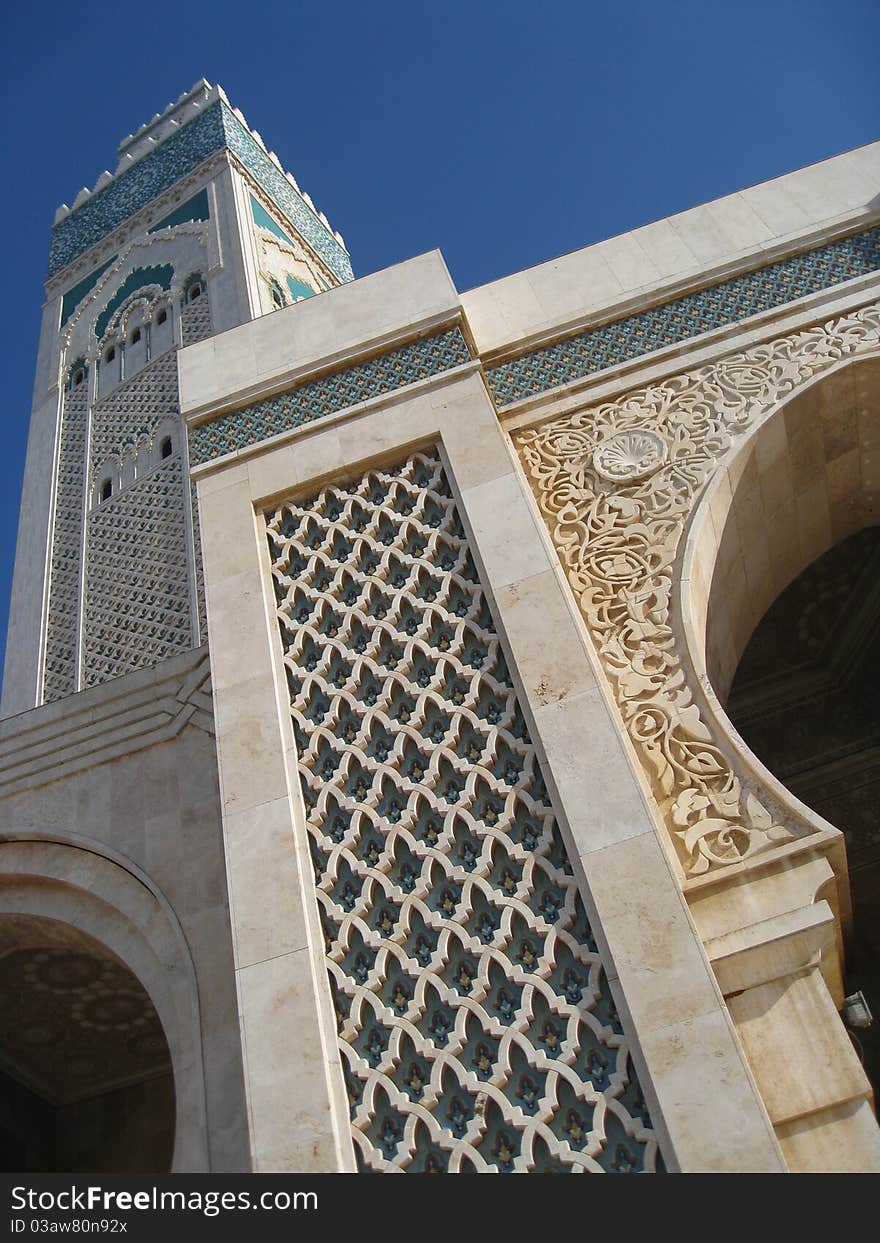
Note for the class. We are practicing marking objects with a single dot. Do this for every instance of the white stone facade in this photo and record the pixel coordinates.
(476, 571)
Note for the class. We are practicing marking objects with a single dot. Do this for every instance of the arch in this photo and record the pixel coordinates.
(77, 882)
(193, 287)
(167, 430)
(797, 484)
(106, 480)
(77, 373)
(85, 1073)
(159, 275)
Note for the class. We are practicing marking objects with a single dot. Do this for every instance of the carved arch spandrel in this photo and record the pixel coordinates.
(616, 484)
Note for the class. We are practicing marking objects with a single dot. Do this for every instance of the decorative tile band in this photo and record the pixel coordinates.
(683, 318)
(269, 177)
(213, 129)
(317, 398)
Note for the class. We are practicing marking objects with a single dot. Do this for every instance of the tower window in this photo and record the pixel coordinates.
(78, 376)
(161, 316)
(166, 448)
(110, 354)
(195, 292)
(106, 490)
(136, 336)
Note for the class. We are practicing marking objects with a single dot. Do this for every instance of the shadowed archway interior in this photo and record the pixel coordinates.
(85, 1070)
(804, 698)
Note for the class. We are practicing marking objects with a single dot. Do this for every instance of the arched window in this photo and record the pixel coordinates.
(106, 489)
(166, 448)
(161, 315)
(195, 292)
(110, 354)
(277, 296)
(135, 336)
(78, 376)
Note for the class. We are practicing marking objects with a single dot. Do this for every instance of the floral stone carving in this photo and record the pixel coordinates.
(617, 537)
(629, 455)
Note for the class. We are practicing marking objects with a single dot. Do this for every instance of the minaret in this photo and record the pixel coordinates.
(198, 230)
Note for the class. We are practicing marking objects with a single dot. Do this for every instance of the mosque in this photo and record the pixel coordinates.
(439, 729)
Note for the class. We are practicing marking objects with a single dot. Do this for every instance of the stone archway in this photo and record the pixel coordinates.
(783, 634)
(69, 900)
(85, 1072)
(804, 698)
(802, 482)
(638, 497)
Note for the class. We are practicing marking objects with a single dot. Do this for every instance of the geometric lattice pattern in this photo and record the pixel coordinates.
(59, 677)
(475, 1022)
(725, 303)
(195, 320)
(134, 408)
(136, 609)
(201, 607)
(213, 129)
(137, 606)
(317, 398)
(195, 325)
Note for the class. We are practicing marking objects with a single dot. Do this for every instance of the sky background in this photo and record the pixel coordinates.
(503, 133)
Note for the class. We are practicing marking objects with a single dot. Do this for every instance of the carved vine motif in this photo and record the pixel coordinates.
(476, 1025)
(618, 543)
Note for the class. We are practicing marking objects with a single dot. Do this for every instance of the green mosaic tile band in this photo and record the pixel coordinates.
(317, 398)
(214, 128)
(726, 303)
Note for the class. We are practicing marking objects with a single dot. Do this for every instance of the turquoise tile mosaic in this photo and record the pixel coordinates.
(317, 398)
(272, 180)
(195, 208)
(178, 155)
(722, 304)
(161, 274)
(136, 187)
(262, 218)
(74, 296)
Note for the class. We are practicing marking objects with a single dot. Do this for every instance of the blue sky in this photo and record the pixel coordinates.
(502, 133)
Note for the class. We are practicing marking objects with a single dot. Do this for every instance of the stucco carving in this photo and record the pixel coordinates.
(618, 542)
(630, 455)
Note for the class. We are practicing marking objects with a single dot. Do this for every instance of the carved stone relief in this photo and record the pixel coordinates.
(616, 484)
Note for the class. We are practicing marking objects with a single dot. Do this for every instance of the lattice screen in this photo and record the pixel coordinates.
(476, 1026)
(64, 590)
